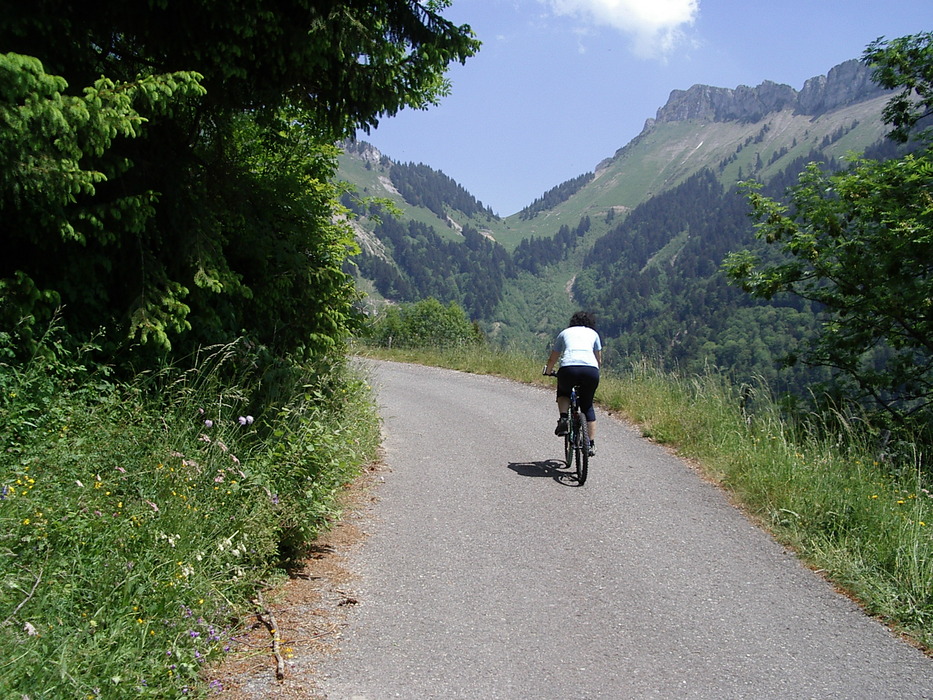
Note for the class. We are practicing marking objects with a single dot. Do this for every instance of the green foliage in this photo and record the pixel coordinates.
(192, 207)
(278, 198)
(347, 63)
(905, 64)
(859, 243)
(137, 520)
(426, 323)
(54, 148)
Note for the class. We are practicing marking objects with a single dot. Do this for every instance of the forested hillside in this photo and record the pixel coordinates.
(641, 239)
(656, 283)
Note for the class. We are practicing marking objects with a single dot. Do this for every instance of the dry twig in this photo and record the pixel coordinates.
(268, 619)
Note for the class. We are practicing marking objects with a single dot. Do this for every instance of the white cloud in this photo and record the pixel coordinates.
(655, 25)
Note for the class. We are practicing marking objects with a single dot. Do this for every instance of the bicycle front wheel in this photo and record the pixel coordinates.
(581, 448)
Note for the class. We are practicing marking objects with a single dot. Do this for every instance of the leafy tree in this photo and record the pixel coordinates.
(185, 197)
(426, 323)
(860, 244)
(52, 147)
(904, 64)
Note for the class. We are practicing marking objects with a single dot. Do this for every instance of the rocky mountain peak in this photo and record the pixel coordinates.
(845, 84)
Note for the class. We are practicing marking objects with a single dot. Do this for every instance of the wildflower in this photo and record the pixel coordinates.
(78, 482)
(121, 470)
(208, 423)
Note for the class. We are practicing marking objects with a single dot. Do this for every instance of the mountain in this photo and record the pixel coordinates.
(741, 133)
(640, 239)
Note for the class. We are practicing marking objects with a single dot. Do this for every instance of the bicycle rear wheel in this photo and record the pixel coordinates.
(581, 447)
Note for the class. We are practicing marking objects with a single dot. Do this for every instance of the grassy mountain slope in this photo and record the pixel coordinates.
(666, 154)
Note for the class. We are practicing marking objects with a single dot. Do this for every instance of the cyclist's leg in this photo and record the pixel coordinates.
(563, 400)
(589, 381)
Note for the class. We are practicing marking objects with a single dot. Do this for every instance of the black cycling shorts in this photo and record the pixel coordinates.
(584, 377)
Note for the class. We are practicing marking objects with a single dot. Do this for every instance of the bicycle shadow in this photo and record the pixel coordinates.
(553, 468)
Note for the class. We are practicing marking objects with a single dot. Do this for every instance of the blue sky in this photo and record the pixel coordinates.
(559, 85)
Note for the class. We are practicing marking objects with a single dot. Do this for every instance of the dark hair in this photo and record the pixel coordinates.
(583, 318)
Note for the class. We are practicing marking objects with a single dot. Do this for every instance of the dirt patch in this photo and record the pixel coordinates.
(308, 612)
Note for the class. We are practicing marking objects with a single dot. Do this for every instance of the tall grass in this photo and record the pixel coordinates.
(137, 519)
(820, 484)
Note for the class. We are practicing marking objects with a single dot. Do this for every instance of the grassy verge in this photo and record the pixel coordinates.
(864, 520)
(137, 520)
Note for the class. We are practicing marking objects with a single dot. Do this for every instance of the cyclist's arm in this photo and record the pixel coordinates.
(599, 357)
(551, 361)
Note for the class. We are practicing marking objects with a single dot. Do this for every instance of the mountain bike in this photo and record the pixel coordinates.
(576, 439)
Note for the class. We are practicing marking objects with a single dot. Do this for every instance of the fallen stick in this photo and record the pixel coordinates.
(273, 628)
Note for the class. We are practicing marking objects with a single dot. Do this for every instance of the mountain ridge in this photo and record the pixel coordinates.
(844, 84)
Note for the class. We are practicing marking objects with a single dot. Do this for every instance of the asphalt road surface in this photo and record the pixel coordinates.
(489, 574)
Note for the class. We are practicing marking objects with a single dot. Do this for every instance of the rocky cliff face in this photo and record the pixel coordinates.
(845, 84)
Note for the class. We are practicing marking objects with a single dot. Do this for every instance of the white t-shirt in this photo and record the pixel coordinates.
(578, 345)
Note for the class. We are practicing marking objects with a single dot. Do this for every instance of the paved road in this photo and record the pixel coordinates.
(486, 576)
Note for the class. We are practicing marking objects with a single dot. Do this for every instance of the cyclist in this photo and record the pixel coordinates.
(579, 350)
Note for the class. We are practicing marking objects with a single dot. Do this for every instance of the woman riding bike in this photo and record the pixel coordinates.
(579, 352)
